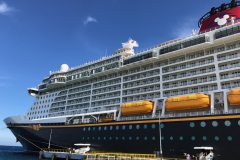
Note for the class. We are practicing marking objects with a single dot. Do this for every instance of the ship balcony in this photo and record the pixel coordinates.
(56, 82)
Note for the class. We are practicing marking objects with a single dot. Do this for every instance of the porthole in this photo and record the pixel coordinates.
(145, 126)
(123, 127)
(104, 138)
(229, 138)
(93, 138)
(239, 122)
(203, 124)
(181, 138)
(204, 138)
(116, 138)
(83, 138)
(137, 138)
(162, 138)
(137, 126)
(153, 138)
(215, 123)
(153, 126)
(216, 138)
(192, 124)
(111, 127)
(145, 138)
(171, 138)
(84, 129)
(99, 138)
(89, 128)
(105, 128)
(117, 127)
(130, 138)
(123, 138)
(110, 138)
(193, 138)
(130, 126)
(93, 128)
(87, 137)
(99, 128)
(162, 125)
(227, 123)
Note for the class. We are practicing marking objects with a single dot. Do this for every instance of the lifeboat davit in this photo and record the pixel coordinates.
(234, 97)
(139, 107)
(186, 102)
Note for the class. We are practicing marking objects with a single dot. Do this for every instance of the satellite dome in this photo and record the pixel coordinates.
(64, 68)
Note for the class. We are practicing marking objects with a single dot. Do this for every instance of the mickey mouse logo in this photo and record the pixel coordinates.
(222, 21)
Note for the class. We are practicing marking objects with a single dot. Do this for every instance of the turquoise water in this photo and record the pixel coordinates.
(15, 153)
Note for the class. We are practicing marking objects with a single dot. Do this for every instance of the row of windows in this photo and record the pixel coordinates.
(39, 107)
(153, 126)
(145, 126)
(43, 101)
(216, 138)
(46, 96)
(37, 112)
(30, 118)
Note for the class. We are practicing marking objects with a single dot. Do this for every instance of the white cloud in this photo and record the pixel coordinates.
(89, 19)
(4, 8)
(185, 27)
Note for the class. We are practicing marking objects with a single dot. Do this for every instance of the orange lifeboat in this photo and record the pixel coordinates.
(234, 97)
(137, 107)
(193, 101)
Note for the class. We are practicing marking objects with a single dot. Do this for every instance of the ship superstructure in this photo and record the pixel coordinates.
(182, 83)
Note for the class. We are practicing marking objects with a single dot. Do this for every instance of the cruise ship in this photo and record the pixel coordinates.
(180, 94)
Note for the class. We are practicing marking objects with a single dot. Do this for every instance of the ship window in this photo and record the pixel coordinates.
(145, 138)
(216, 138)
(99, 128)
(192, 124)
(89, 128)
(123, 138)
(130, 126)
(130, 138)
(162, 138)
(117, 127)
(204, 138)
(116, 138)
(153, 138)
(181, 138)
(145, 126)
(171, 138)
(203, 124)
(193, 138)
(104, 138)
(110, 138)
(153, 126)
(84, 129)
(93, 138)
(229, 138)
(215, 123)
(123, 127)
(227, 123)
(105, 128)
(162, 125)
(137, 126)
(99, 138)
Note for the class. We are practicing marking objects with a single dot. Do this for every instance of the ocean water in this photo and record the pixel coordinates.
(15, 153)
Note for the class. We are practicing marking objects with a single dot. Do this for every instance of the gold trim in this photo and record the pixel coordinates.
(37, 127)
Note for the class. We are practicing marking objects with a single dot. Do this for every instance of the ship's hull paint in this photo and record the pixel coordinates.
(219, 133)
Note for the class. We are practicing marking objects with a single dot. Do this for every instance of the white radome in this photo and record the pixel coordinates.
(64, 68)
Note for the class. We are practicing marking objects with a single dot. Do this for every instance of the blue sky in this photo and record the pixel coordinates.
(38, 36)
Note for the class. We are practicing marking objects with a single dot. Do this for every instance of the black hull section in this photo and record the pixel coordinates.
(178, 137)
